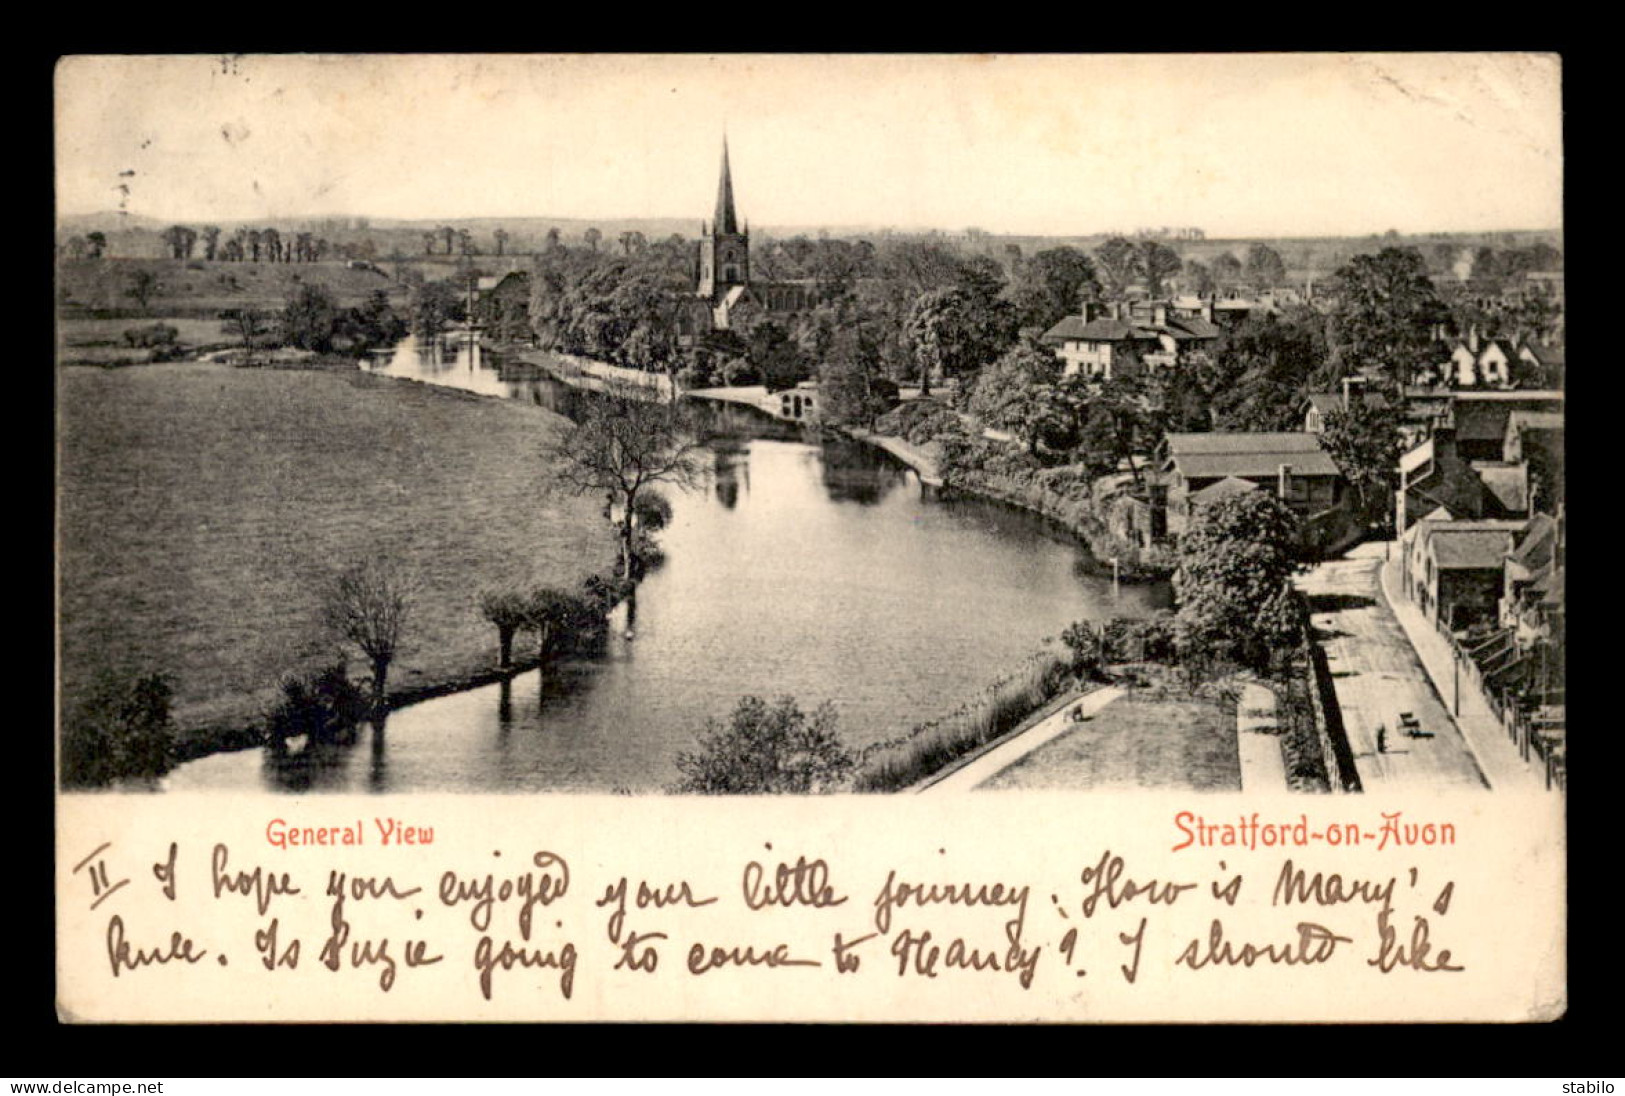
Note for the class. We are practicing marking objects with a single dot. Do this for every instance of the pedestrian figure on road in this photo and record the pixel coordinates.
(1382, 738)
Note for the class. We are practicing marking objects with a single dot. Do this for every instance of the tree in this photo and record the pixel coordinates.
(175, 238)
(120, 730)
(1051, 285)
(143, 286)
(592, 236)
(1020, 393)
(621, 447)
(778, 359)
(954, 331)
(247, 324)
(211, 242)
(98, 244)
(1226, 271)
(1235, 565)
(1118, 262)
(310, 318)
(1386, 312)
(1264, 267)
(501, 238)
(768, 750)
(851, 381)
(433, 305)
(563, 622)
(1258, 373)
(448, 235)
(368, 604)
(1155, 262)
(1365, 443)
(428, 243)
(1198, 278)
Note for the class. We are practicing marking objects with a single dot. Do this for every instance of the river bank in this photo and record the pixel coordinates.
(200, 505)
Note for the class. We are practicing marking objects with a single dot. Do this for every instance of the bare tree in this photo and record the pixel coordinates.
(368, 604)
(619, 448)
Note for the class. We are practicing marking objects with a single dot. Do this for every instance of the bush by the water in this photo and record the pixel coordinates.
(928, 747)
(325, 705)
(767, 750)
(918, 422)
(120, 731)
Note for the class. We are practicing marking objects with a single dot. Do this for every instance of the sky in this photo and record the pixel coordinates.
(1238, 145)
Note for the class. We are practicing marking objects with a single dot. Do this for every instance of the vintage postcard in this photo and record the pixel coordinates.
(810, 537)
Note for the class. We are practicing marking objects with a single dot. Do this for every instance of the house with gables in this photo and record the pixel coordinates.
(1124, 338)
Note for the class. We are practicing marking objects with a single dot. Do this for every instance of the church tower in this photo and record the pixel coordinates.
(724, 249)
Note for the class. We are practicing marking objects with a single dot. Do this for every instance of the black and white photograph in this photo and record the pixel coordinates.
(803, 424)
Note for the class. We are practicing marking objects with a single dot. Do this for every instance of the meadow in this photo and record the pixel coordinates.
(201, 506)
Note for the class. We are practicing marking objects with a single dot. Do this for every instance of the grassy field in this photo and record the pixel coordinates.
(200, 289)
(200, 505)
(1152, 738)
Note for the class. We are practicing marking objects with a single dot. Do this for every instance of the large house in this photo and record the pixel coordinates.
(1198, 469)
(1123, 338)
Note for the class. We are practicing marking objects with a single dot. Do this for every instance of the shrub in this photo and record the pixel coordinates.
(120, 731)
(767, 750)
(694, 376)
(604, 592)
(1084, 640)
(918, 422)
(153, 335)
(325, 705)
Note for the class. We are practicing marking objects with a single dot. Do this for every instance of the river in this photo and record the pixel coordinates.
(821, 571)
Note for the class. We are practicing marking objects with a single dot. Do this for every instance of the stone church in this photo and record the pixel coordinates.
(725, 295)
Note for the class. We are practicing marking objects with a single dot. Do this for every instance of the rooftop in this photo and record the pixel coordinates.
(1226, 487)
(1469, 549)
(1215, 455)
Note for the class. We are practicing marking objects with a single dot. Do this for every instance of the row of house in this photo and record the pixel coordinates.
(1497, 587)
(1471, 361)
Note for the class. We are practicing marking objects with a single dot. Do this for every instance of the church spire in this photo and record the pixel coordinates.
(725, 223)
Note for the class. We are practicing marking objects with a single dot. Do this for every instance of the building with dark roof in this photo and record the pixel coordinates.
(1122, 338)
(1453, 568)
(1198, 469)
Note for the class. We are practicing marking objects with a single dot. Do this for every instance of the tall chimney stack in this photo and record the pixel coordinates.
(1284, 482)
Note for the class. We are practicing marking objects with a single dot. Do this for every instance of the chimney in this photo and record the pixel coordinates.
(1472, 338)
(1117, 310)
(1207, 306)
(1091, 311)
(1159, 314)
(1348, 384)
(1284, 482)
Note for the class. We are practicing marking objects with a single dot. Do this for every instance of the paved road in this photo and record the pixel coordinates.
(1377, 675)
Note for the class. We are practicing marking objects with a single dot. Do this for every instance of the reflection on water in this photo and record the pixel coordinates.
(815, 570)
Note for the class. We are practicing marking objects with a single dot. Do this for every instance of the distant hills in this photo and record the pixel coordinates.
(138, 236)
